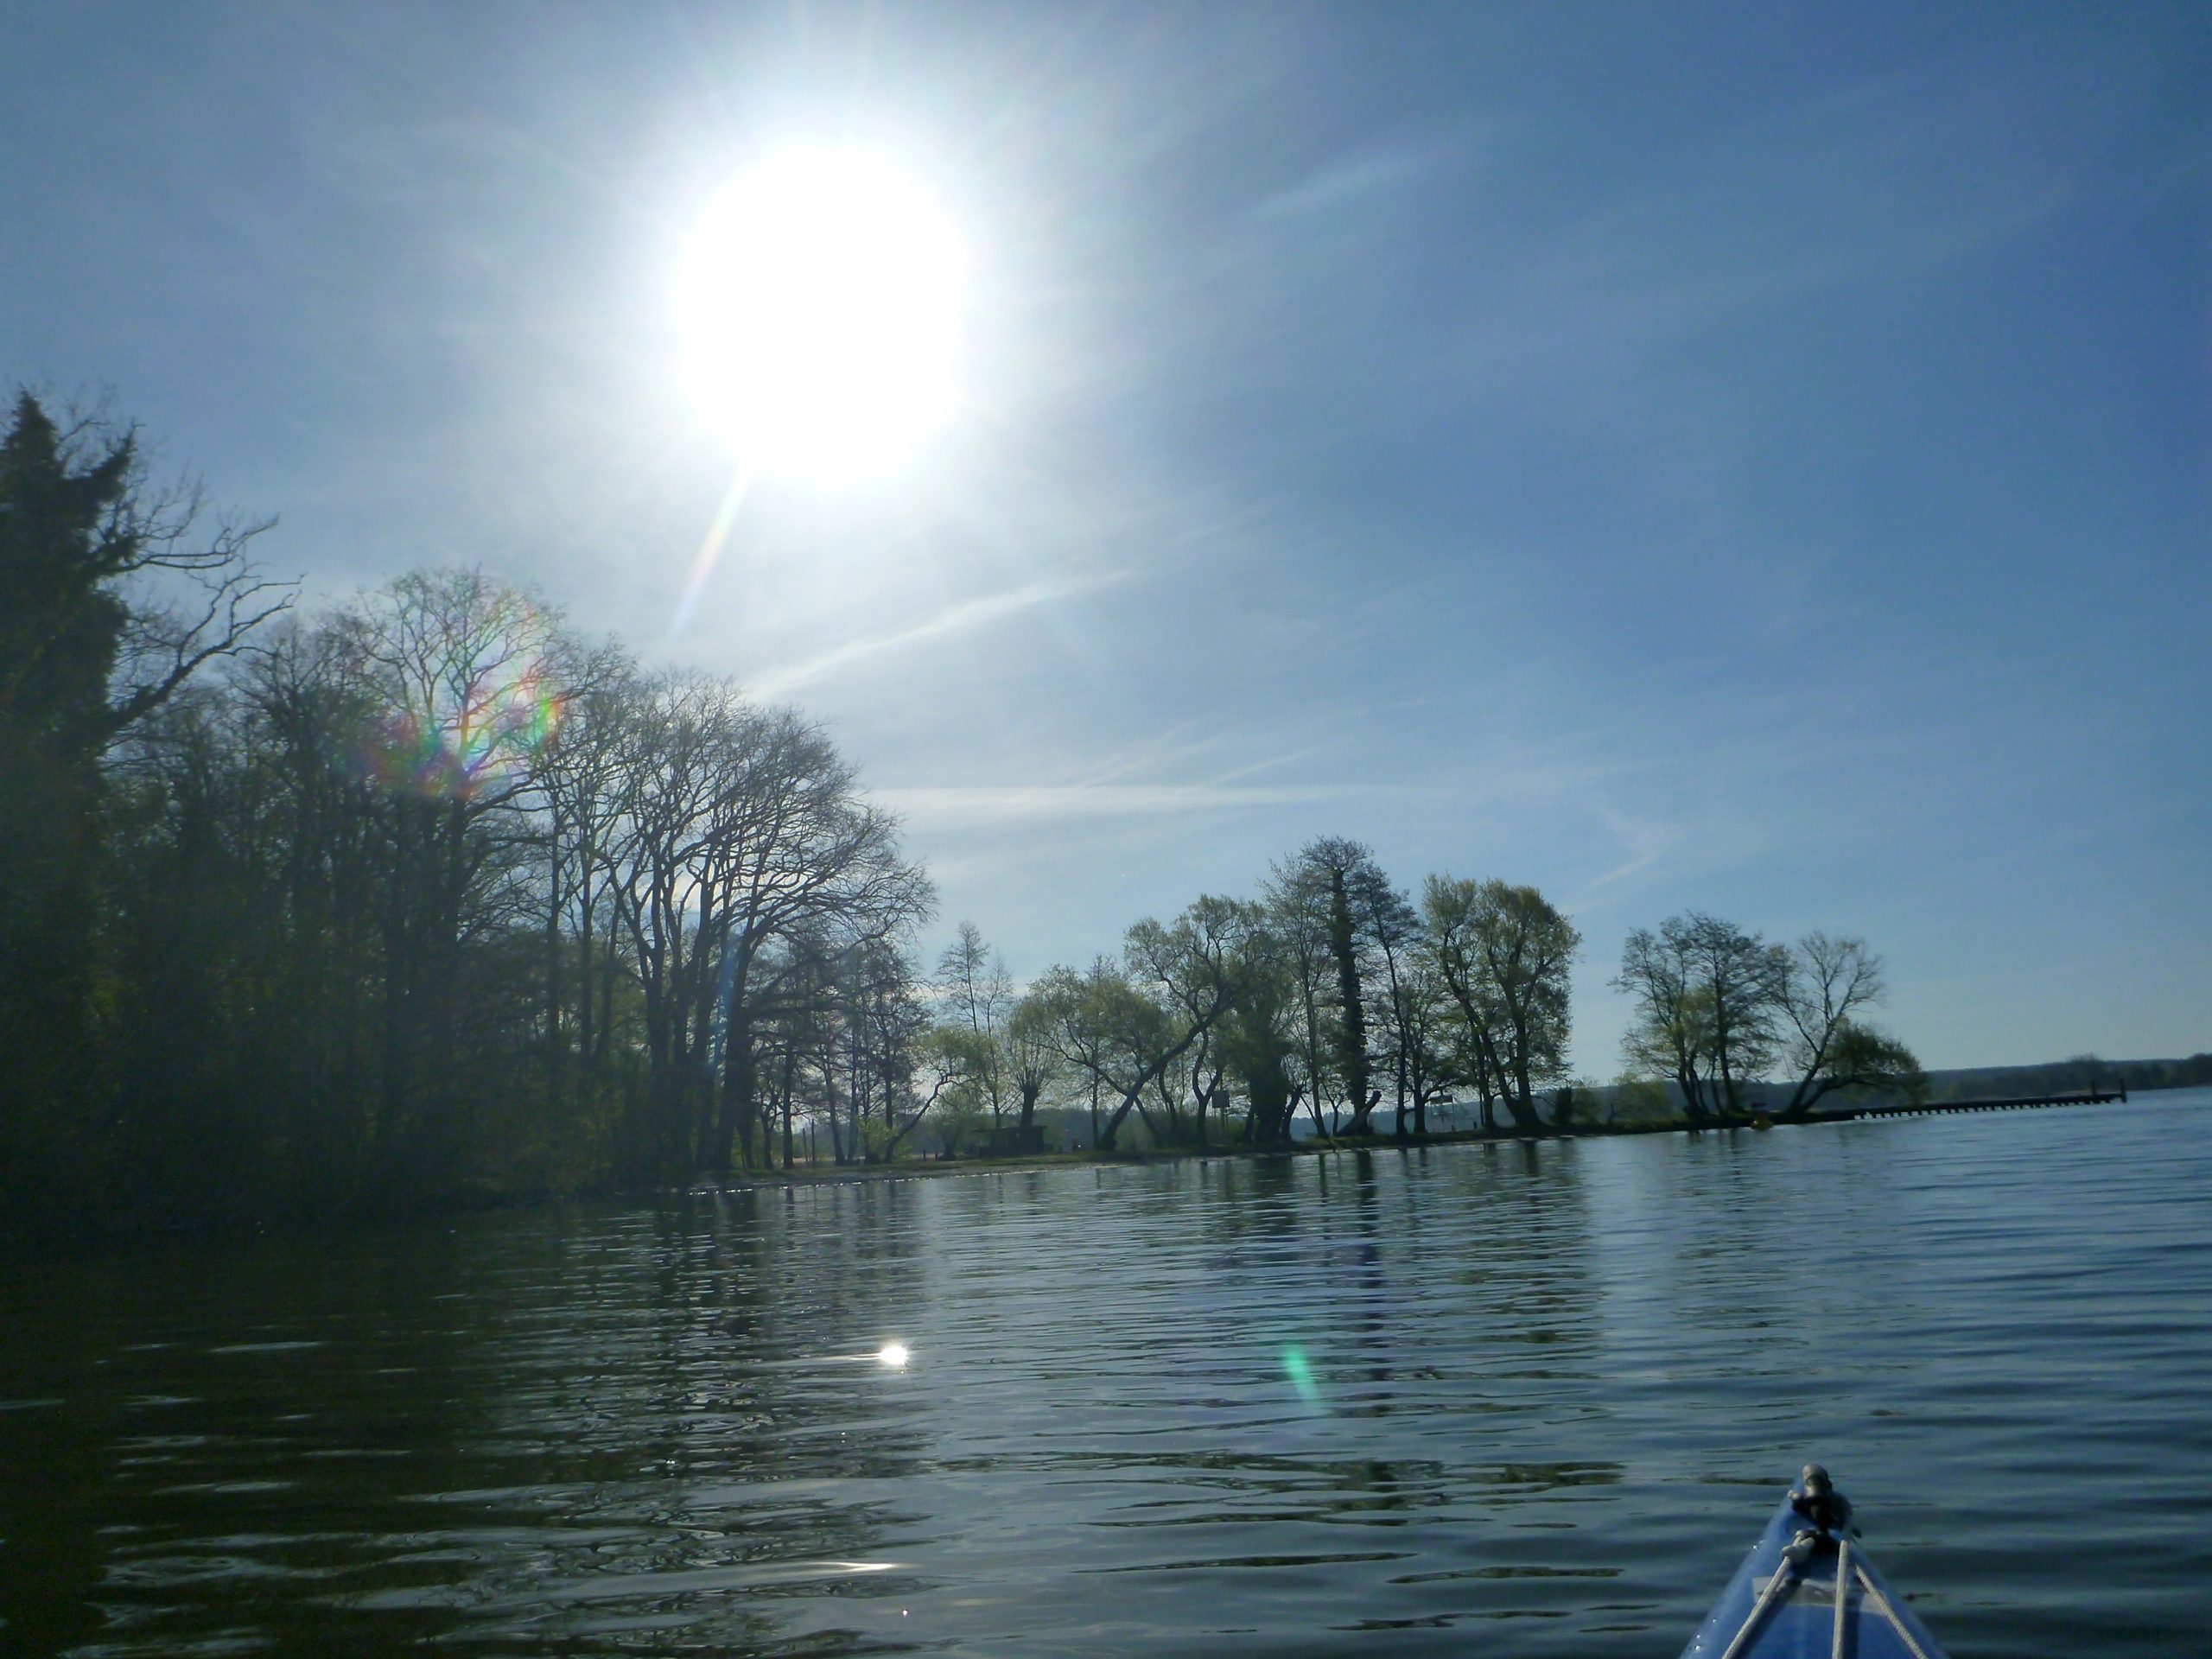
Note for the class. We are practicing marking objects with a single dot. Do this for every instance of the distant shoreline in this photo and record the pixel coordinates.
(481, 1202)
(1085, 1157)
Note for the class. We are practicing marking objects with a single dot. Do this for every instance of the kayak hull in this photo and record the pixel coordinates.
(1798, 1619)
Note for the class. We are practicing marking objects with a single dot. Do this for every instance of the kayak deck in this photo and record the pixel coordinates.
(1806, 1591)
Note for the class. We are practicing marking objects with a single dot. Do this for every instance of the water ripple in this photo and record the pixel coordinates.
(1369, 1404)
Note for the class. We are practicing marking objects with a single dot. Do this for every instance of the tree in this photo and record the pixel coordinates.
(1670, 1030)
(1334, 908)
(1429, 1064)
(1192, 972)
(82, 656)
(325, 915)
(746, 831)
(1067, 1013)
(580, 781)
(946, 1074)
(977, 996)
(1709, 999)
(1503, 954)
(430, 897)
(794, 846)
(87, 648)
(1124, 1026)
(1297, 897)
(1636, 1098)
(2088, 1069)
(672, 731)
(463, 673)
(1032, 1064)
(1718, 1007)
(1121, 1037)
(896, 1064)
(1351, 1005)
(1392, 930)
(1260, 1036)
(1829, 981)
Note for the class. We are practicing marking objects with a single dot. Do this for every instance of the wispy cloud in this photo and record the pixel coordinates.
(1644, 841)
(956, 618)
(944, 806)
(1345, 180)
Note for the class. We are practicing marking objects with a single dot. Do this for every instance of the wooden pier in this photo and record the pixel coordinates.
(2009, 1104)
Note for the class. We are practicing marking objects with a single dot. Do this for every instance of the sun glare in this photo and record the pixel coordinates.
(817, 306)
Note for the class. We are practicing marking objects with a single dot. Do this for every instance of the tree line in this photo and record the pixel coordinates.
(1337, 994)
(425, 896)
(1718, 1009)
(428, 895)
(1331, 993)
(2080, 1071)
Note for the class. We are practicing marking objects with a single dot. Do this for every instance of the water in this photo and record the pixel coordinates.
(1508, 1400)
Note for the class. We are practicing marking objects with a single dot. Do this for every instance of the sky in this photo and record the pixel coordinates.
(1751, 459)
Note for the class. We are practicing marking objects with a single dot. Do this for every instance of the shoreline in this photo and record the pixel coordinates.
(486, 1200)
(1086, 1157)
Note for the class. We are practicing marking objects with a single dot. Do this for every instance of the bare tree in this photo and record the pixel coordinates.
(1503, 953)
(1297, 897)
(977, 996)
(1393, 931)
(580, 781)
(1079, 1018)
(1033, 1065)
(799, 848)
(669, 735)
(459, 673)
(1830, 1047)
(1428, 1062)
(1709, 998)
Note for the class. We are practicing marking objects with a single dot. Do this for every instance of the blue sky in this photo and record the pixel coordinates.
(1756, 459)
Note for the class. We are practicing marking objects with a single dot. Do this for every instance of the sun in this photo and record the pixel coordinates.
(817, 306)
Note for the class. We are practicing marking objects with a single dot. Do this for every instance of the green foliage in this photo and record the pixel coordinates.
(1637, 1097)
(962, 1061)
(1710, 999)
(1862, 1058)
(1503, 954)
(1259, 1038)
(1718, 1008)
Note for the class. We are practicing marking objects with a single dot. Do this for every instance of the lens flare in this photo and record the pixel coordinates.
(710, 551)
(476, 725)
(1300, 1373)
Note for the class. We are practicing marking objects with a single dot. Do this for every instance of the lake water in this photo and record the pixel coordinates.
(1500, 1400)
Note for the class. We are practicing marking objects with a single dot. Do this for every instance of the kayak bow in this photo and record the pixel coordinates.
(1806, 1591)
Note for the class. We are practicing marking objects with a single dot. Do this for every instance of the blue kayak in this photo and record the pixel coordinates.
(1806, 1591)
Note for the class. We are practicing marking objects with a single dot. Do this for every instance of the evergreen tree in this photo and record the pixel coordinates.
(64, 537)
(80, 662)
